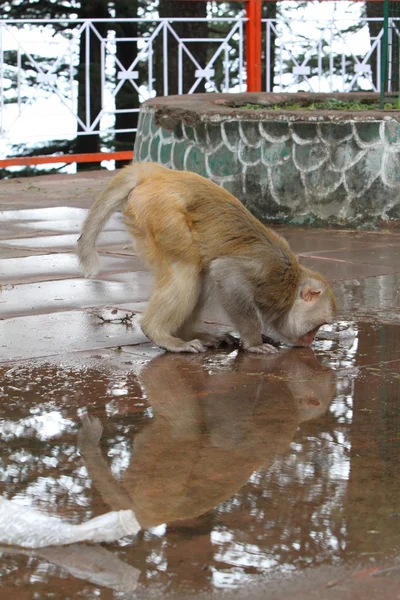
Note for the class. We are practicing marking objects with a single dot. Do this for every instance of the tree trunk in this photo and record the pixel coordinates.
(179, 8)
(127, 97)
(374, 10)
(90, 143)
(269, 10)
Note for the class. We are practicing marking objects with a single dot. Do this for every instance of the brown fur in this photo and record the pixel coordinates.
(190, 231)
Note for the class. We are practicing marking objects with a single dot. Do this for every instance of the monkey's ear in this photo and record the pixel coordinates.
(310, 291)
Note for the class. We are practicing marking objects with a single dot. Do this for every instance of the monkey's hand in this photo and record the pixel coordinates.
(262, 349)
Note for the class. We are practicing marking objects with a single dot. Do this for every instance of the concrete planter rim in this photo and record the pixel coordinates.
(218, 107)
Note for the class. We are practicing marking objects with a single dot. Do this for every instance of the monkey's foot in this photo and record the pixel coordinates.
(173, 344)
(262, 349)
(215, 340)
(195, 345)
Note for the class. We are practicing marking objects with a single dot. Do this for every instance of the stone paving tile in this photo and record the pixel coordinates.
(122, 277)
(311, 244)
(132, 306)
(13, 230)
(17, 252)
(388, 256)
(334, 270)
(16, 232)
(60, 266)
(304, 241)
(36, 336)
(68, 294)
(125, 250)
(77, 190)
(53, 213)
(58, 243)
(65, 226)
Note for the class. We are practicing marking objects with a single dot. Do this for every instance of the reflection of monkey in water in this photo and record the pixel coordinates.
(210, 432)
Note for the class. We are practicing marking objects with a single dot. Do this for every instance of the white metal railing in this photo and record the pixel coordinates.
(39, 89)
(46, 61)
(318, 55)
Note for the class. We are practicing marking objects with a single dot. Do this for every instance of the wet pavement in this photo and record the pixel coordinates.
(251, 477)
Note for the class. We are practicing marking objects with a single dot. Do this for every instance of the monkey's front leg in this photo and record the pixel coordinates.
(248, 324)
(237, 298)
(176, 292)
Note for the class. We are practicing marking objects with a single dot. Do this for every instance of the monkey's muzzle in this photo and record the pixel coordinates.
(307, 339)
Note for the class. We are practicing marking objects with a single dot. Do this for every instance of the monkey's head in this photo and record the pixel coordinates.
(314, 305)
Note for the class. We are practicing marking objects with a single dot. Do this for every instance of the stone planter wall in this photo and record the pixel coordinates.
(336, 168)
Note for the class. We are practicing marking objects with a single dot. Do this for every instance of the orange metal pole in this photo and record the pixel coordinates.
(23, 161)
(253, 45)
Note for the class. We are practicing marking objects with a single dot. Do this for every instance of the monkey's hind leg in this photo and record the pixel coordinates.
(175, 296)
(193, 328)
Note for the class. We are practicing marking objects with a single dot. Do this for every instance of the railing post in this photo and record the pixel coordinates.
(384, 55)
(253, 45)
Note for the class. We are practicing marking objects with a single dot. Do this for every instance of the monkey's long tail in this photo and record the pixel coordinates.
(101, 210)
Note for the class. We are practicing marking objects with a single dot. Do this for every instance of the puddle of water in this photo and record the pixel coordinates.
(240, 469)
(373, 298)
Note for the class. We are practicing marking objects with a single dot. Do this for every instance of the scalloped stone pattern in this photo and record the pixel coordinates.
(298, 167)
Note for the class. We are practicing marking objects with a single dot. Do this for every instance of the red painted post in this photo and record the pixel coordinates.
(253, 45)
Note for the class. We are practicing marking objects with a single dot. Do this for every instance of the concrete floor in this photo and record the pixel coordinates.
(251, 477)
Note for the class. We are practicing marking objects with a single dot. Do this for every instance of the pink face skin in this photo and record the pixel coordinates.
(307, 339)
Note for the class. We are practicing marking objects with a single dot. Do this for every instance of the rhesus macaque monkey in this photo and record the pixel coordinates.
(201, 241)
